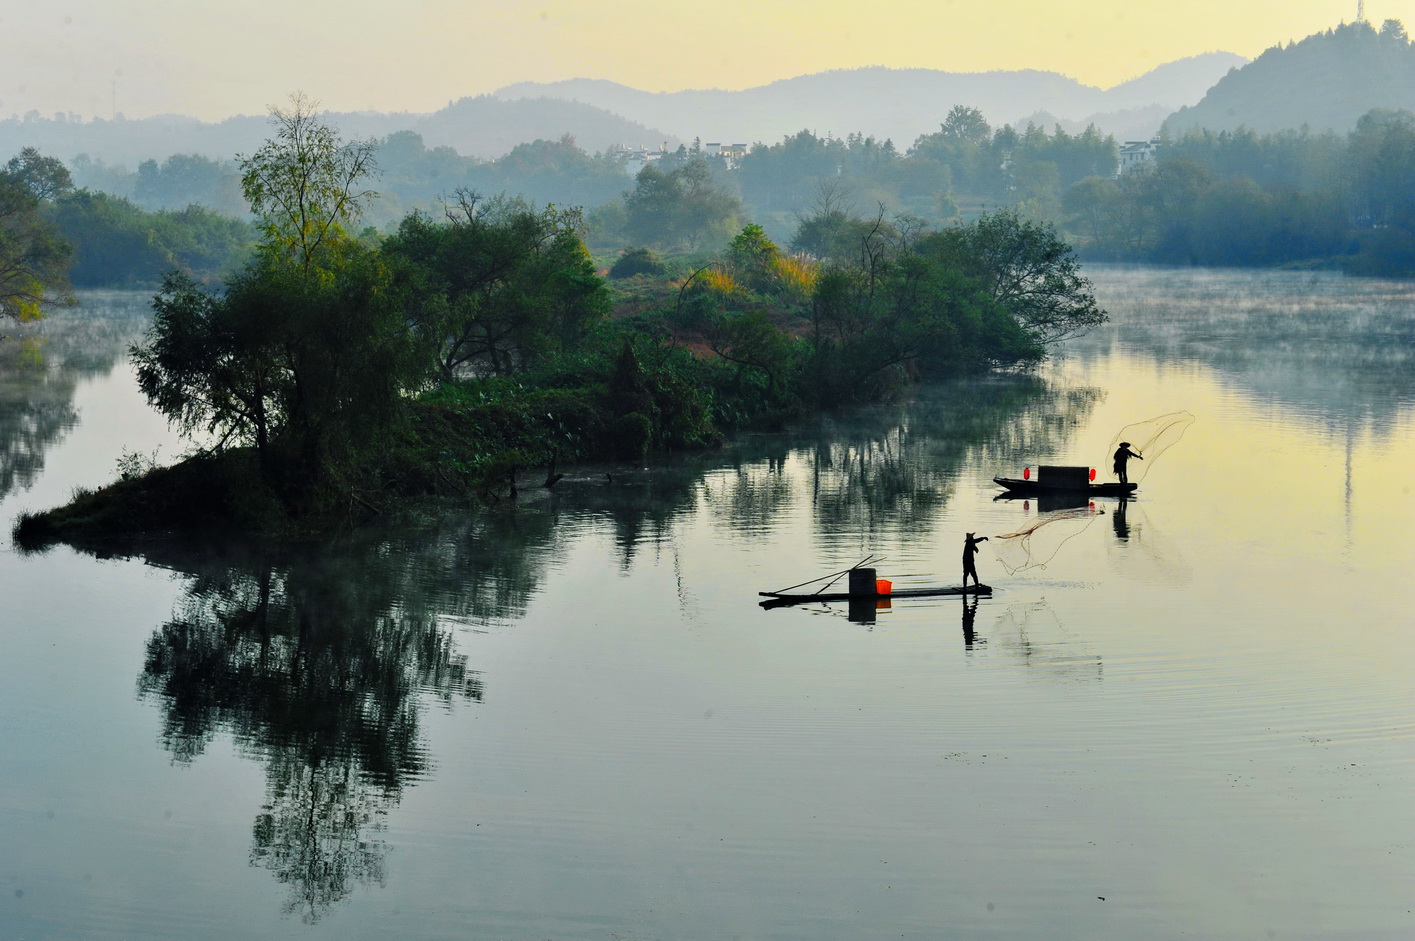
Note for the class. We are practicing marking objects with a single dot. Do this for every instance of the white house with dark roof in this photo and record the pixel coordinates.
(1133, 153)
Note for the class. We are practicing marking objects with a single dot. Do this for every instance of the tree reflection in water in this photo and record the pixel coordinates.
(36, 409)
(886, 470)
(318, 667)
(41, 366)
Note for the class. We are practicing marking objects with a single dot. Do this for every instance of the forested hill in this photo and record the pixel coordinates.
(484, 126)
(896, 104)
(1326, 82)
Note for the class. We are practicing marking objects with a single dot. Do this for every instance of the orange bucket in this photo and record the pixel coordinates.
(883, 586)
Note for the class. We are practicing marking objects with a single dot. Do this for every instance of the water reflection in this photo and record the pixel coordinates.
(970, 616)
(1119, 519)
(641, 506)
(36, 409)
(41, 366)
(1339, 349)
(1034, 634)
(883, 471)
(318, 666)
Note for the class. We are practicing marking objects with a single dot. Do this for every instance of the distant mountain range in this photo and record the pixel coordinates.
(1326, 82)
(899, 104)
(483, 126)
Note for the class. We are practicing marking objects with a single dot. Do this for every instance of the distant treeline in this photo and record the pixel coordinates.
(686, 199)
(1226, 198)
(1241, 198)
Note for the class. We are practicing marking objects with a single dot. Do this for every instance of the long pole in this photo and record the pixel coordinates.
(833, 575)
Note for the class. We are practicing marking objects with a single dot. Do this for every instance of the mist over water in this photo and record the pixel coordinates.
(569, 718)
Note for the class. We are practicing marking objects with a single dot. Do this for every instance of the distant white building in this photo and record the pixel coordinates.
(732, 153)
(1133, 153)
(635, 158)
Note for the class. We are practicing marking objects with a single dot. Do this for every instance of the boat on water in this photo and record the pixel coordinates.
(1061, 479)
(778, 599)
(862, 586)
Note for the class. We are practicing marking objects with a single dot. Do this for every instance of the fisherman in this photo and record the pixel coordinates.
(1123, 454)
(970, 549)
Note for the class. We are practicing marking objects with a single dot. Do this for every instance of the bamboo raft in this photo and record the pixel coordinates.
(777, 599)
(862, 586)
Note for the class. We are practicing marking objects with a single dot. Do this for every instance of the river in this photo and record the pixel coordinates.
(1191, 715)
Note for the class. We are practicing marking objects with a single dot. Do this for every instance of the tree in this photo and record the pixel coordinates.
(34, 257)
(304, 184)
(306, 355)
(962, 145)
(753, 258)
(310, 371)
(45, 178)
(899, 309)
(500, 287)
(965, 125)
(1025, 269)
(682, 207)
(1089, 203)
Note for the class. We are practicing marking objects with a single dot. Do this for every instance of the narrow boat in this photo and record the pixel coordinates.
(862, 587)
(1055, 478)
(778, 599)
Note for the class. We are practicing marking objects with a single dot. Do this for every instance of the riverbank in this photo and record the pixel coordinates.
(477, 441)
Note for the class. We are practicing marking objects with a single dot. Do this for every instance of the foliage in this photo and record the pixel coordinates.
(184, 180)
(118, 244)
(682, 207)
(313, 372)
(1243, 198)
(304, 183)
(636, 261)
(34, 258)
(499, 287)
(753, 258)
(306, 355)
(1026, 269)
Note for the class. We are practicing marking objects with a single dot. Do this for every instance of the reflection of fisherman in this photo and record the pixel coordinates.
(1123, 454)
(970, 549)
(1122, 527)
(970, 613)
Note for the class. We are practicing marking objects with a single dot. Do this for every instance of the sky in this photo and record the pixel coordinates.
(95, 58)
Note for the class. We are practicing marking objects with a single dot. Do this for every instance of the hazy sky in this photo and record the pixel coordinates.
(215, 58)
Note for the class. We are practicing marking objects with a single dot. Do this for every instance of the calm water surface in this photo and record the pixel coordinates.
(569, 718)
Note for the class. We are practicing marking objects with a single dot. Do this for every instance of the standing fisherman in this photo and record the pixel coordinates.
(970, 549)
(1123, 454)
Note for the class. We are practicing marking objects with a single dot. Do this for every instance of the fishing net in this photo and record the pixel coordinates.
(1037, 543)
(1150, 439)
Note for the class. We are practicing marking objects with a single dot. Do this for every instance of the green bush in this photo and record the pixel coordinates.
(636, 261)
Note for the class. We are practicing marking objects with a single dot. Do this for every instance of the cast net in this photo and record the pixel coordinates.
(1150, 439)
(1038, 543)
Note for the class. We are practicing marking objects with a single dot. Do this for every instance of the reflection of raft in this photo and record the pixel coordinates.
(1027, 488)
(1055, 478)
(777, 599)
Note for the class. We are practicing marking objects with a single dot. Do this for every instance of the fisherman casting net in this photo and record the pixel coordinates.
(1150, 439)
